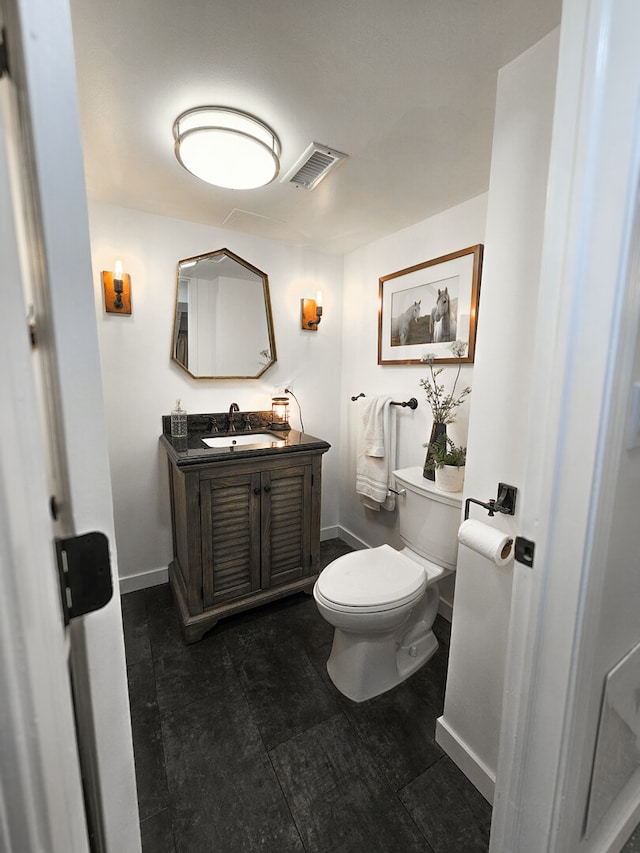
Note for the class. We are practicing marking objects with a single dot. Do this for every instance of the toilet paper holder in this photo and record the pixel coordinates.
(505, 502)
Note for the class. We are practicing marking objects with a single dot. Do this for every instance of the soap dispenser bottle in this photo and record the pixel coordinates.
(178, 422)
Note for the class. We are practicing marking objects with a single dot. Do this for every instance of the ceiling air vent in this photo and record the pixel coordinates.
(313, 166)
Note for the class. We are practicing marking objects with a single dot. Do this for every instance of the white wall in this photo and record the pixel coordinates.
(457, 228)
(470, 727)
(141, 383)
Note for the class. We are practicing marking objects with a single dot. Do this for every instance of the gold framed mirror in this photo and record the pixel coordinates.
(223, 327)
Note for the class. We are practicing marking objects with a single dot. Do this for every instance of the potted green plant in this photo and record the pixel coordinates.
(441, 403)
(448, 461)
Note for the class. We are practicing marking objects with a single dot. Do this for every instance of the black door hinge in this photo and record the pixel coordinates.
(524, 551)
(84, 571)
(4, 54)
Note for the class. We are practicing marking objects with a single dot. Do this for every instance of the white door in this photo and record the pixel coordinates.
(53, 440)
(41, 805)
(568, 777)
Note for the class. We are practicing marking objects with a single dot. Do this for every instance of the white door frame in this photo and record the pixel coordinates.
(586, 326)
(42, 71)
(41, 806)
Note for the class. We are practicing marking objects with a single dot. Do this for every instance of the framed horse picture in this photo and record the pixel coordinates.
(429, 312)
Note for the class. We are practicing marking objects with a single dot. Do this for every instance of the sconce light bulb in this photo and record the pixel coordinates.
(117, 275)
(319, 299)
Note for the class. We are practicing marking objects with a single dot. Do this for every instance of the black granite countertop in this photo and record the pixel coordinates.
(193, 451)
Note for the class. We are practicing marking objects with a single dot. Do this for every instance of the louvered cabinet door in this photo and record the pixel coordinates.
(230, 514)
(286, 525)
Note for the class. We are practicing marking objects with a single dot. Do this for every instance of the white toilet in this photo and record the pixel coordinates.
(383, 602)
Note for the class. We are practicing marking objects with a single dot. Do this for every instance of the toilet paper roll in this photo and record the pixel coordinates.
(486, 541)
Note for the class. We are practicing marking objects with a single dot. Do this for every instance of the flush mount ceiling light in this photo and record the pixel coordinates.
(226, 147)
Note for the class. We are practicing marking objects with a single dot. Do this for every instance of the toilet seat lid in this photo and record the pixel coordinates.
(374, 577)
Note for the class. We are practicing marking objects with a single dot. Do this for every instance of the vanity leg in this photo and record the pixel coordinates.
(193, 633)
(309, 589)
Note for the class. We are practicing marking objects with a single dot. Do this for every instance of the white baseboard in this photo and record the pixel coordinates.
(329, 532)
(445, 609)
(472, 767)
(350, 539)
(155, 577)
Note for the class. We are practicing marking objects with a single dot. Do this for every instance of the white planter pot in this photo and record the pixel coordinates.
(449, 478)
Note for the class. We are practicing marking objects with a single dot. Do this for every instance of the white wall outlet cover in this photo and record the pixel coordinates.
(280, 389)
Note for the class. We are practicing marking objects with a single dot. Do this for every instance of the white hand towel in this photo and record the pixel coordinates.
(374, 414)
(373, 473)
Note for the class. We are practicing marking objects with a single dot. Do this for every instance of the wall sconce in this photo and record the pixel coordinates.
(280, 413)
(117, 290)
(311, 313)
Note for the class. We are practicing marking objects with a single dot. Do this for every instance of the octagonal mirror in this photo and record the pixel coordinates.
(223, 327)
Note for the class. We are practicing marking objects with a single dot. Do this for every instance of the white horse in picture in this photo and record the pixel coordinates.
(443, 318)
(401, 325)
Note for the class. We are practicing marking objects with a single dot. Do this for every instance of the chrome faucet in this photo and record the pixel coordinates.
(232, 425)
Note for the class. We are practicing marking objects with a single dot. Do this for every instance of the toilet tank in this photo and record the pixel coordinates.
(428, 518)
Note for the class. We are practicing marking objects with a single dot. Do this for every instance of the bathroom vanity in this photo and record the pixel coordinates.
(245, 516)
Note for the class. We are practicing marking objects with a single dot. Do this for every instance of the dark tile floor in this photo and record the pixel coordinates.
(242, 743)
(633, 844)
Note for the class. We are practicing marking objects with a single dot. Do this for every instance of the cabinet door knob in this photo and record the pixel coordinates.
(267, 488)
(256, 491)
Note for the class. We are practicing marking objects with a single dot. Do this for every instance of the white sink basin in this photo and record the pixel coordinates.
(256, 438)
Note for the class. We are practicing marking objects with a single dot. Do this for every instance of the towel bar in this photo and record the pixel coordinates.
(412, 403)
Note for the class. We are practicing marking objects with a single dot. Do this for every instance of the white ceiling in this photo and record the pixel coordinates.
(405, 87)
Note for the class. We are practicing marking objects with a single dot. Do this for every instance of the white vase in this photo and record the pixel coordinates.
(450, 478)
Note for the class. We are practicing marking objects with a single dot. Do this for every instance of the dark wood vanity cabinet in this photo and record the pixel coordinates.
(245, 532)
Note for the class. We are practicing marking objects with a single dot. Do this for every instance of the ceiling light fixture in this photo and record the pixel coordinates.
(226, 147)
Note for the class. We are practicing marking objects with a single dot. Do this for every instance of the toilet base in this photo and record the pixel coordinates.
(362, 669)
(410, 658)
